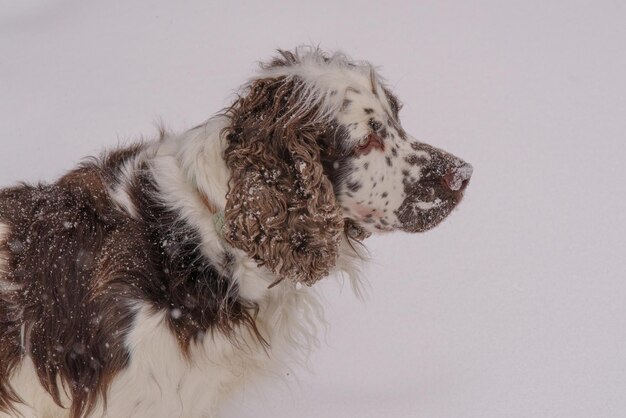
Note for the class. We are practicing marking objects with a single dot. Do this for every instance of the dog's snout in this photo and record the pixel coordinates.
(457, 178)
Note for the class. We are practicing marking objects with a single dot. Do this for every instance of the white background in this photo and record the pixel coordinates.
(514, 307)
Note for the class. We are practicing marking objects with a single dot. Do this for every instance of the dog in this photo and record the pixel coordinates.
(156, 279)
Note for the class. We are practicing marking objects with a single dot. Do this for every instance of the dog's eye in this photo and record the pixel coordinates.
(370, 142)
(374, 125)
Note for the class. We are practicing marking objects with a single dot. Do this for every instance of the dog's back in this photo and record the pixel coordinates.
(54, 243)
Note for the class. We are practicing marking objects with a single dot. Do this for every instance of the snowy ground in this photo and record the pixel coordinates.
(516, 306)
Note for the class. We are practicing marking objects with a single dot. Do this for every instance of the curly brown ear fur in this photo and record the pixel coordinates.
(280, 207)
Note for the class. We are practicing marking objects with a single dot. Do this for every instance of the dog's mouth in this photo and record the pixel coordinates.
(415, 215)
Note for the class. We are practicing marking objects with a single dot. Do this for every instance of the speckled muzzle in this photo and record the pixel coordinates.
(430, 197)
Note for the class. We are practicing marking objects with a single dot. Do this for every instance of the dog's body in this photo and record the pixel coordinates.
(153, 281)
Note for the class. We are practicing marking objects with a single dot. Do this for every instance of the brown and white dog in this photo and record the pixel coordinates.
(154, 280)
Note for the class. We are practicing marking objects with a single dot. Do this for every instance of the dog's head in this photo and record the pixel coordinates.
(315, 148)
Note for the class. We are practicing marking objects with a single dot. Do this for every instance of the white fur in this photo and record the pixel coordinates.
(119, 193)
(38, 403)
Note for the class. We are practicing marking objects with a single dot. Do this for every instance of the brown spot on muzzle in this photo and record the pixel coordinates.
(439, 189)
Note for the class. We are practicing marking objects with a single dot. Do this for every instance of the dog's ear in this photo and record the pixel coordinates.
(280, 207)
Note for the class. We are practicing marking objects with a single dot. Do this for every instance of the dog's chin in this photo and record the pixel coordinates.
(414, 218)
(355, 230)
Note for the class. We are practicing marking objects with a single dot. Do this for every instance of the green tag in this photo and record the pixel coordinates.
(218, 221)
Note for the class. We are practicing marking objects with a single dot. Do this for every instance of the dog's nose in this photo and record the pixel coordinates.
(458, 177)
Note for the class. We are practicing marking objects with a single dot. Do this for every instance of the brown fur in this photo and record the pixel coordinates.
(281, 208)
(75, 324)
(79, 264)
(10, 349)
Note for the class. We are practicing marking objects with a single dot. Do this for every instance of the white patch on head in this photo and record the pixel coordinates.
(326, 79)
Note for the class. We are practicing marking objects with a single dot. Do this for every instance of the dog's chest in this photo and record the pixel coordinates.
(162, 381)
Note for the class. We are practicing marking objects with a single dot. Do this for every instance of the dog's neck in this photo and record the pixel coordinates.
(191, 170)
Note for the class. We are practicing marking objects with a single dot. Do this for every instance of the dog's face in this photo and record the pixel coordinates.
(314, 141)
(383, 178)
